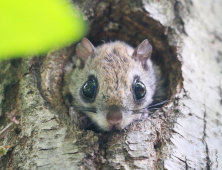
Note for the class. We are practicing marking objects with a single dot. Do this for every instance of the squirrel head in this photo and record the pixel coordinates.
(113, 84)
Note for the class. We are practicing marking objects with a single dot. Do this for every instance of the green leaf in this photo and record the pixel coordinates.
(36, 26)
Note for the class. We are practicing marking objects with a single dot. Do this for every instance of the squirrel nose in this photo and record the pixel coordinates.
(114, 117)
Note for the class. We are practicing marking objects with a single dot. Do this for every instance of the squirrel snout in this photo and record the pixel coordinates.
(114, 117)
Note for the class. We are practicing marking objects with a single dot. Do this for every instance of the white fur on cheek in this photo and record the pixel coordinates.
(100, 120)
(129, 119)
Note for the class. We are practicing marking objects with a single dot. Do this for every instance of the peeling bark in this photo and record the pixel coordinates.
(185, 134)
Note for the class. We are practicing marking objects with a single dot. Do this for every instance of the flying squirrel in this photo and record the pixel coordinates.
(113, 84)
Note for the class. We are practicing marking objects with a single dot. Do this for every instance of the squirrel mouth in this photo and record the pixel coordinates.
(114, 128)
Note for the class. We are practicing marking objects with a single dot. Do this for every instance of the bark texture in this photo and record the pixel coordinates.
(185, 134)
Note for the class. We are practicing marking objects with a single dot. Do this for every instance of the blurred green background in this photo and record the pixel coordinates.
(37, 26)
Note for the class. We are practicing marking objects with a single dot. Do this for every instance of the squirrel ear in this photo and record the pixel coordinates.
(84, 49)
(142, 53)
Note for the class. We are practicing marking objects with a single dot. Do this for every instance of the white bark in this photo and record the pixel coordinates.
(197, 139)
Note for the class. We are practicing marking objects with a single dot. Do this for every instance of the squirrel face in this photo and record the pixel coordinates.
(112, 84)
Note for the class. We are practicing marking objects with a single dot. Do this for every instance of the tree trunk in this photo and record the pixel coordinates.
(185, 134)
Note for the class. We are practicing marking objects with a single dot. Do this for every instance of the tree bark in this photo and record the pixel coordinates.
(185, 134)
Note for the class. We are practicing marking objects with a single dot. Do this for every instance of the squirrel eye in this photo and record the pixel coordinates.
(139, 90)
(89, 88)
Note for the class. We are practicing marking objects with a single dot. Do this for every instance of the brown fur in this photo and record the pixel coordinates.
(115, 70)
